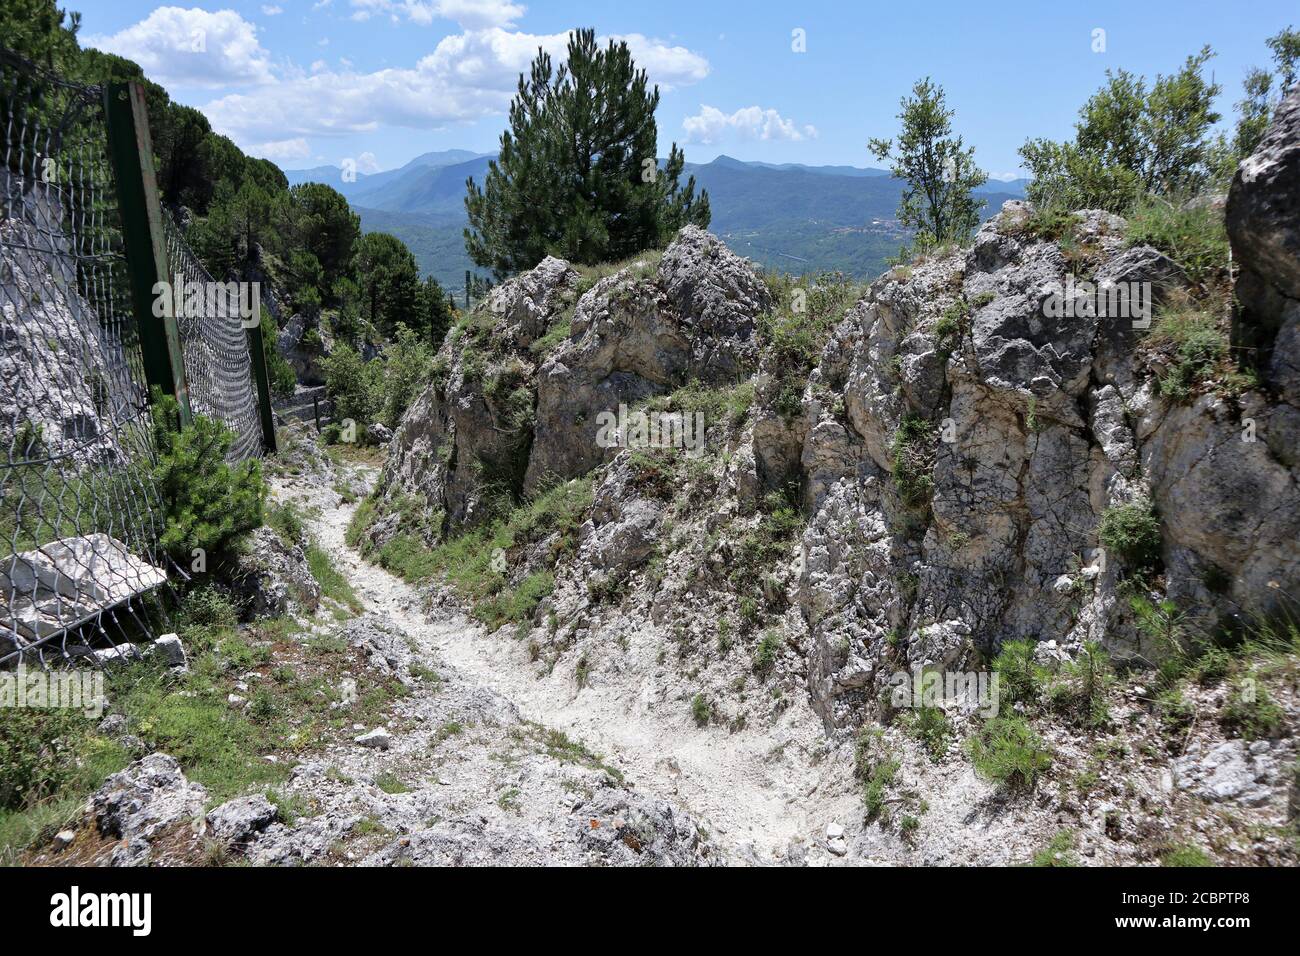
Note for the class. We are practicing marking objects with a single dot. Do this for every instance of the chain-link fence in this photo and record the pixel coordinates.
(80, 515)
(215, 345)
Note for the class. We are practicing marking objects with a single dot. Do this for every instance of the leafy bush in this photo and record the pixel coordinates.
(208, 502)
(1007, 750)
(352, 383)
(1132, 532)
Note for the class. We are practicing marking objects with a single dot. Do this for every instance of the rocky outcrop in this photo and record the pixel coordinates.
(1037, 425)
(510, 417)
(146, 801)
(270, 577)
(969, 424)
(1263, 219)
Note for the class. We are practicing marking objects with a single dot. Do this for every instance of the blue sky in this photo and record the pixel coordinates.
(310, 82)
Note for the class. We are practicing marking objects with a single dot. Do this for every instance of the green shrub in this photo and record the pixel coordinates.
(912, 457)
(767, 652)
(701, 710)
(407, 370)
(1132, 532)
(1199, 347)
(206, 607)
(1079, 689)
(1250, 711)
(1007, 750)
(37, 753)
(1174, 711)
(1020, 677)
(208, 503)
(353, 384)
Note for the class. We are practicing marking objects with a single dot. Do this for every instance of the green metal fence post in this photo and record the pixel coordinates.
(257, 356)
(131, 153)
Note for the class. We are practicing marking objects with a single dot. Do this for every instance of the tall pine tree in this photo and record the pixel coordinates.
(577, 175)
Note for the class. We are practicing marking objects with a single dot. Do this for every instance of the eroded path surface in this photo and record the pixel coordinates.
(763, 795)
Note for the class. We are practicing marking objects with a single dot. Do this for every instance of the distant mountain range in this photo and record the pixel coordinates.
(788, 216)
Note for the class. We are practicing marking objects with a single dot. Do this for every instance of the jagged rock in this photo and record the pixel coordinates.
(617, 827)
(305, 342)
(170, 649)
(526, 303)
(379, 432)
(139, 803)
(237, 821)
(1262, 215)
(377, 739)
(1236, 771)
(270, 578)
(525, 419)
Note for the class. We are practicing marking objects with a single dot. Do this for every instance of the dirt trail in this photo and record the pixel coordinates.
(763, 793)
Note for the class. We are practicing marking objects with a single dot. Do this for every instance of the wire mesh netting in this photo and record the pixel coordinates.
(215, 345)
(80, 513)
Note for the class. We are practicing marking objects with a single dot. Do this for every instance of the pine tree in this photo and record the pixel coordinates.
(577, 175)
(939, 170)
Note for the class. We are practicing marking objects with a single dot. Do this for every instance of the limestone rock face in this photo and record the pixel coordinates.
(1037, 425)
(271, 578)
(58, 366)
(512, 415)
(1263, 210)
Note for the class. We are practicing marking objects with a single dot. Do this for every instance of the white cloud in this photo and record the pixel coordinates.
(192, 48)
(271, 10)
(470, 14)
(468, 75)
(751, 122)
(318, 66)
(669, 66)
(282, 149)
(366, 163)
(1005, 177)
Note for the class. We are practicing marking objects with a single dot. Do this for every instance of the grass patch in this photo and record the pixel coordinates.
(931, 726)
(1059, 852)
(1195, 237)
(332, 582)
(1184, 854)
(876, 769)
